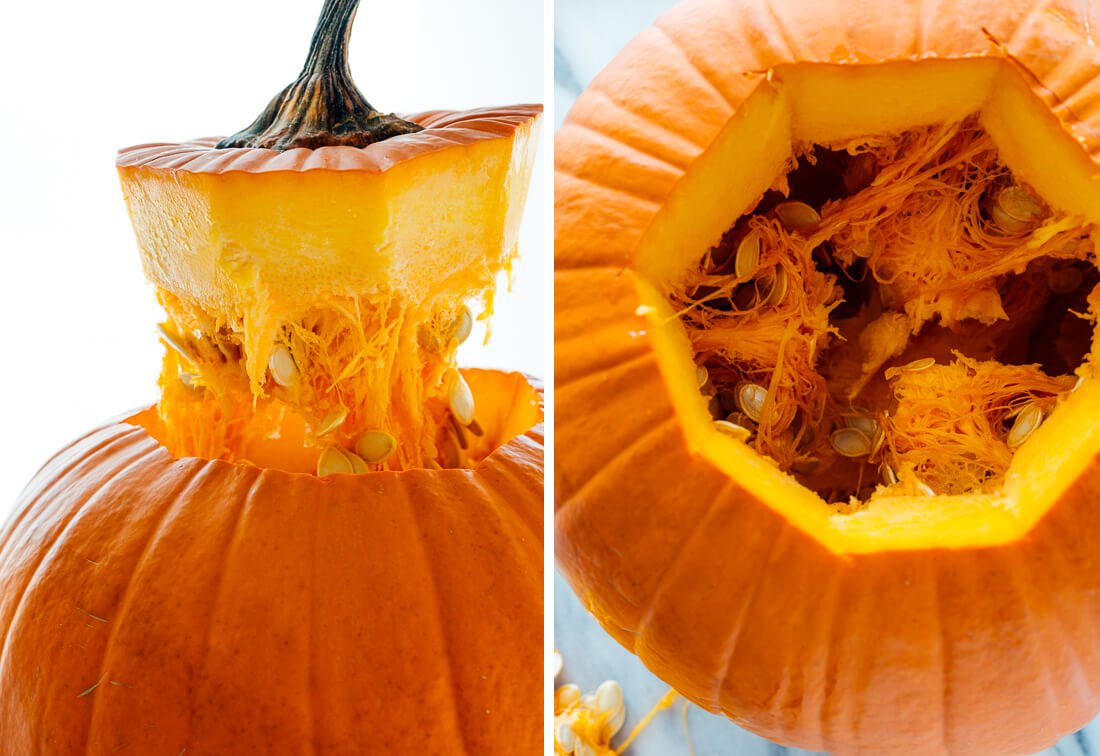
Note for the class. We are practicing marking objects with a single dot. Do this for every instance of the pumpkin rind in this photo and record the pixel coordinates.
(165, 605)
(974, 643)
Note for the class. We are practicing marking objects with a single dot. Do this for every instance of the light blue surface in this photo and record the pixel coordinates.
(587, 35)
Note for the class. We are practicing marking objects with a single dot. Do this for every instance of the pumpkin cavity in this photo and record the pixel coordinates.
(897, 315)
(349, 385)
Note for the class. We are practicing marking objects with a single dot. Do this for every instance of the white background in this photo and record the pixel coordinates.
(82, 79)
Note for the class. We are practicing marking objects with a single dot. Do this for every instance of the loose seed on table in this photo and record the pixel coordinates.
(565, 696)
(281, 366)
(609, 696)
(566, 737)
(375, 446)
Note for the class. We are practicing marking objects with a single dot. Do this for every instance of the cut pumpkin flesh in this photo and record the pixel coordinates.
(315, 301)
(880, 328)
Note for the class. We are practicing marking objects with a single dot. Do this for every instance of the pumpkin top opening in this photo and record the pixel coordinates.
(769, 130)
(322, 107)
(897, 316)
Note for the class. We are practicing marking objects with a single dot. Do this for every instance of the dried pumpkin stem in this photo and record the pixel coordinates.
(322, 107)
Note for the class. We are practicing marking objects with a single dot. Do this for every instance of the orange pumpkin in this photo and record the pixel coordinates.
(325, 537)
(900, 621)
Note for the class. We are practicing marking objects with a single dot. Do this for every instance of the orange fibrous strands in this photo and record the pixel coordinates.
(920, 235)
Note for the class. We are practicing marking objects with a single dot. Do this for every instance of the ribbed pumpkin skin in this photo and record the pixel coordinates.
(224, 609)
(979, 651)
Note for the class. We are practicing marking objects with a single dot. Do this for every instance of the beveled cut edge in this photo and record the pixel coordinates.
(443, 129)
(532, 436)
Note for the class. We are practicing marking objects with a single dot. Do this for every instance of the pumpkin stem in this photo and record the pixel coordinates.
(322, 107)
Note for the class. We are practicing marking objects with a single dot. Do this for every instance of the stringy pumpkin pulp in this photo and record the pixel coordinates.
(897, 314)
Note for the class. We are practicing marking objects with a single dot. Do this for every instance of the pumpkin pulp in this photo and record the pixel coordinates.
(897, 312)
(801, 105)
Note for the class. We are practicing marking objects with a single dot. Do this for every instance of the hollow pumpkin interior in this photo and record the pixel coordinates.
(825, 105)
(508, 406)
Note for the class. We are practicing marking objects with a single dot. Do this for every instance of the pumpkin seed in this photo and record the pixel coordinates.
(1077, 384)
(331, 421)
(733, 430)
(565, 696)
(924, 488)
(1027, 420)
(862, 422)
(609, 696)
(1005, 222)
(797, 215)
(807, 466)
(190, 380)
(747, 259)
(375, 446)
(181, 347)
(358, 464)
(463, 325)
(613, 724)
(863, 248)
(475, 428)
(281, 366)
(850, 442)
(460, 435)
(565, 736)
(702, 375)
(333, 460)
(461, 400)
(917, 366)
(877, 441)
(1018, 204)
(750, 399)
(584, 749)
(779, 288)
(889, 475)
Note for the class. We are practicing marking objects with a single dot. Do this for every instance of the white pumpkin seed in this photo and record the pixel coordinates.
(889, 475)
(862, 422)
(750, 400)
(333, 460)
(461, 399)
(609, 696)
(747, 259)
(702, 375)
(917, 366)
(613, 724)
(375, 446)
(850, 442)
(358, 464)
(797, 215)
(565, 696)
(1027, 420)
(925, 489)
(463, 325)
(281, 366)
(1018, 204)
(565, 736)
(779, 288)
(733, 430)
(332, 420)
(584, 749)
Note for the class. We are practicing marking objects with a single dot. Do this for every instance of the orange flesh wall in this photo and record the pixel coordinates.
(902, 253)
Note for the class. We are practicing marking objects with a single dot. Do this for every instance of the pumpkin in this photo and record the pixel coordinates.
(825, 392)
(325, 537)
